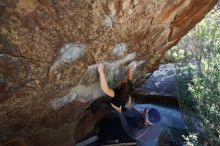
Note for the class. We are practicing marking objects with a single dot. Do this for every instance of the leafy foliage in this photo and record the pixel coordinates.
(199, 86)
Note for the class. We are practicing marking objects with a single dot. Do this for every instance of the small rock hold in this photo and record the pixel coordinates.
(107, 21)
(68, 54)
(59, 103)
(119, 50)
(71, 52)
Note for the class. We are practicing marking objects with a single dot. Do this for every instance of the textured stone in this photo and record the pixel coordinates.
(70, 53)
(119, 50)
(48, 48)
(107, 21)
(162, 82)
(60, 102)
(67, 55)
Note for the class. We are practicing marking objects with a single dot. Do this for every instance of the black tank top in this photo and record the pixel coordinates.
(122, 94)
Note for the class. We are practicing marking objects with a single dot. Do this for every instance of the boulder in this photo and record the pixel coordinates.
(49, 51)
(161, 82)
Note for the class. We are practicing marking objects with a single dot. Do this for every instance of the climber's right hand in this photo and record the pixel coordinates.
(100, 67)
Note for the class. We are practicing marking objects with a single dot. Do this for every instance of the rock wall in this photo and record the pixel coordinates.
(49, 50)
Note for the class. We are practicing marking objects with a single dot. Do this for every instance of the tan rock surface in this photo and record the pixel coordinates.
(48, 52)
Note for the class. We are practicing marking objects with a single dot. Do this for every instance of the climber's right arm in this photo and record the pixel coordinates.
(103, 82)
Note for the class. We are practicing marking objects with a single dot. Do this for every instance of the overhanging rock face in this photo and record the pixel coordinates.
(49, 51)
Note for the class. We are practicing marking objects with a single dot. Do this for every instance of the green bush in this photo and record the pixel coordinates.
(199, 92)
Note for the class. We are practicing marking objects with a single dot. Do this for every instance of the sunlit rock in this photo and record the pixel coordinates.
(50, 48)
